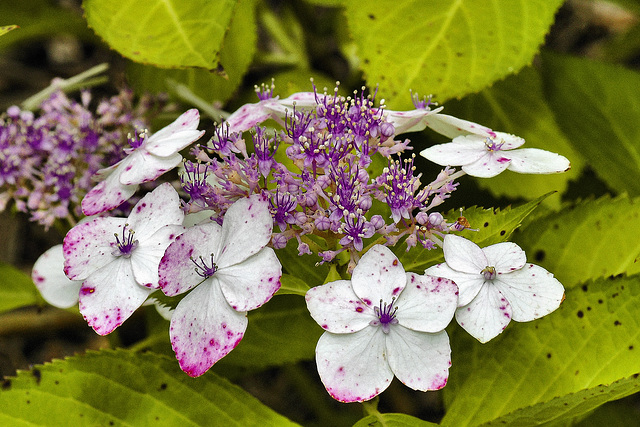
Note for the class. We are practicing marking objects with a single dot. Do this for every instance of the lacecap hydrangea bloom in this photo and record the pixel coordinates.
(335, 180)
(380, 324)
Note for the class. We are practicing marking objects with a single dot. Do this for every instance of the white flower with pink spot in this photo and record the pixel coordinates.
(382, 323)
(54, 286)
(496, 285)
(232, 272)
(148, 158)
(250, 115)
(486, 156)
(117, 258)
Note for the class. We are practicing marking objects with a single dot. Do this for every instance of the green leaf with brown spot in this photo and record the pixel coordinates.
(556, 368)
(444, 47)
(487, 226)
(123, 388)
(165, 33)
(595, 238)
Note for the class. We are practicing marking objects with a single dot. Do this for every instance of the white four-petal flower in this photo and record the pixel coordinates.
(485, 156)
(232, 272)
(119, 272)
(496, 285)
(148, 158)
(381, 323)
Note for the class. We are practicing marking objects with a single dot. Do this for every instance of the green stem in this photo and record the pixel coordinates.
(83, 79)
(184, 93)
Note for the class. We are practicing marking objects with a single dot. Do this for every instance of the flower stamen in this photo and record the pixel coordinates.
(202, 269)
(489, 272)
(386, 315)
(127, 245)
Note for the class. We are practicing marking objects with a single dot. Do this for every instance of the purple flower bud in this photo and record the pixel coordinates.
(365, 203)
(422, 218)
(387, 130)
(322, 223)
(279, 241)
(303, 249)
(377, 221)
(300, 218)
(435, 219)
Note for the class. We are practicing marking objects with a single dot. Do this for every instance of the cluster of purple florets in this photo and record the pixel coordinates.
(317, 172)
(47, 161)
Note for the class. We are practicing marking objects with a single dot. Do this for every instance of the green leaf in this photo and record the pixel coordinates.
(493, 226)
(166, 33)
(302, 266)
(392, 420)
(617, 413)
(593, 239)
(442, 47)
(123, 388)
(5, 29)
(592, 339)
(39, 19)
(236, 56)
(292, 285)
(280, 332)
(597, 106)
(517, 106)
(16, 289)
(570, 406)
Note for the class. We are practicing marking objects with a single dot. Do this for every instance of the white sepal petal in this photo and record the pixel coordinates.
(427, 304)
(490, 165)
(353, 367)
(146, 258)
(455, 153)
(469, 284)
(486, 316)
(107, 194)
(177, 271)
(463, 255)
(250, 284)
(155, 210)
(109, 296)
(532, 291)
(146, 167)
(536, 161)
(505, 257)
(88, 246)
(54, 286)
(204, 328)
(246, 230)
(379, 275)
(420, 360)
(337, 309)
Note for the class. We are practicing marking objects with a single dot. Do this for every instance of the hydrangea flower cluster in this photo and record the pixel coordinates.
(335, 180)
(47, 161)
(318, 174)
